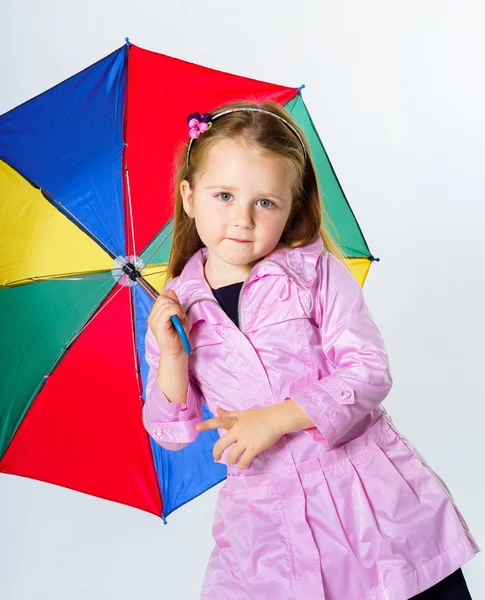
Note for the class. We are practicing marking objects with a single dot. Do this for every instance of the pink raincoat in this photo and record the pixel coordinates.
(346, 510)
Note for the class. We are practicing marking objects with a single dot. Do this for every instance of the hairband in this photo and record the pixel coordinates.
(200, 123)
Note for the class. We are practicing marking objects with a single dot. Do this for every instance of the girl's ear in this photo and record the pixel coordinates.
(187, 198)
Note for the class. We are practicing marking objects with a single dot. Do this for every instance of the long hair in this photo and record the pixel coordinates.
(308, 217)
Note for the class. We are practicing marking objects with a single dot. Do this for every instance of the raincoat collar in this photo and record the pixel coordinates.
(297, 263)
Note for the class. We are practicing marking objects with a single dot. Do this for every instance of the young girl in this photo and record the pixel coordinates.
(324, 499)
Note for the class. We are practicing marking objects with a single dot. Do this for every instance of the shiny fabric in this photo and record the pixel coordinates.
(346, 510)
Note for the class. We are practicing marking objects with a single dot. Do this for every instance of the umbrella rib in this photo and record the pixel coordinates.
(64, 276)
(138, 374)
(83, 327)
(133, 331)
(52, 199)
(71, 340)
(158, 247)
(128, 189)
(155, 272)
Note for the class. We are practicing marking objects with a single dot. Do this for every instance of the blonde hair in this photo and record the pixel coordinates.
(308, 217)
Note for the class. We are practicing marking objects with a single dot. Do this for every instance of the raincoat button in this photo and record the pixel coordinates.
(158, 432)
(345, 395)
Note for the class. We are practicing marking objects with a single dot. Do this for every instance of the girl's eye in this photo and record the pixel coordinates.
(266, 203)
(221, 196)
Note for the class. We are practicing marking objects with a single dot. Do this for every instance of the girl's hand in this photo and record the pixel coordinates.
(251, 432)
(166, 306)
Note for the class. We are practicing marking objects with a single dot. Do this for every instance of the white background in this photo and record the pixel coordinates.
(397, 92)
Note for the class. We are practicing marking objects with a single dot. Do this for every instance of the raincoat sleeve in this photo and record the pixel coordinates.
(353, 345)
(170, 424)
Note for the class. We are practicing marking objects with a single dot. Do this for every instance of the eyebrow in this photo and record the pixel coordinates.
(233, 189)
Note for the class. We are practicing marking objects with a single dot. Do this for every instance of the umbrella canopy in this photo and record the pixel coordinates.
(86, 170)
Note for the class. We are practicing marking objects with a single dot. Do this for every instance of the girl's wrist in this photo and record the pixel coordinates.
(172, 377)
(293, 417)
(175, 359)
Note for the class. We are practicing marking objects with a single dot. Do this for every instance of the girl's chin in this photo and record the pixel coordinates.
(236, 254)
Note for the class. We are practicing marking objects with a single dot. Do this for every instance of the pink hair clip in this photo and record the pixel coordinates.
(198, 124)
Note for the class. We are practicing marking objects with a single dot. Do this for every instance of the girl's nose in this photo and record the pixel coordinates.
(242, 217)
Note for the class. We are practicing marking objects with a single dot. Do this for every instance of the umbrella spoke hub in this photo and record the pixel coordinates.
(127, 270)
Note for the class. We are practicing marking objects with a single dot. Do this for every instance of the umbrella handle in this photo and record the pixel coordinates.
(181, 331)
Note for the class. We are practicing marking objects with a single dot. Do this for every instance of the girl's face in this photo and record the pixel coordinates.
(240, 203)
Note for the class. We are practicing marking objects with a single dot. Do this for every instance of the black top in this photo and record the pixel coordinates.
(228, 298)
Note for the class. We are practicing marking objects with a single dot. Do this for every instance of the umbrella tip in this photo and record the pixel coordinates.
(375, 259)
(301, 87)
(127, 40)
(164, 520)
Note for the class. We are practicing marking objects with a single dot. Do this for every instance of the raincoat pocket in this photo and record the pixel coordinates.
(404, 462)
(394, 482)
(204, 334)
(257, 531)
(206, 341)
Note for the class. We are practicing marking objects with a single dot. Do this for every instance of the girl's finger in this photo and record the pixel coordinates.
(226, 413)
(171, 294)
(171, 311)
(163, 301)
(215, 423)
(207, 425)
(236, 451)
(246, 459)
(158, 308)
(222, 444)
(165, 311)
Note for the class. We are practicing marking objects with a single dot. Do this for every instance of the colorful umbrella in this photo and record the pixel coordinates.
(85, 226)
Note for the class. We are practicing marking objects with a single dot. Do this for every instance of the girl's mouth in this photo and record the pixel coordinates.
(239, 241)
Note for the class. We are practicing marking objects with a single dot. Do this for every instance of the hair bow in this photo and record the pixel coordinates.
(198, 123)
